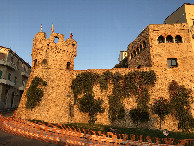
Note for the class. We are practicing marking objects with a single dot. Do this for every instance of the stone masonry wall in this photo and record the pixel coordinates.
(139, 51)
(58, 98)
(55, 104)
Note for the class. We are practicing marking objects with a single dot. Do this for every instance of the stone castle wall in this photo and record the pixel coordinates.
(57, 101)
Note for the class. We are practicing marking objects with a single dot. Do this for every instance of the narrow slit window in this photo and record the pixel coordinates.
(68, 65)
(35, 62)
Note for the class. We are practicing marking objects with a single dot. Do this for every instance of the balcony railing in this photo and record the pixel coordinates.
(8, 64)
(23, 73)
(7, 82)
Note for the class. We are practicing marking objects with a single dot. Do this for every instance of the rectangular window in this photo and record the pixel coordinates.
(23, 83)
(15, 80)
(9, 76)
(12, 59)
(172, 62)
(0, 74)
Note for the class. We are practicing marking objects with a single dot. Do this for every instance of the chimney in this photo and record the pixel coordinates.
(28, 62)
(15, 51)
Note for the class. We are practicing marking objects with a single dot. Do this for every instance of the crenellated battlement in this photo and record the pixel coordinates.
(50, 54)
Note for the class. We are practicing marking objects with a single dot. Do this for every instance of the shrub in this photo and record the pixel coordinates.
(87, 104)
(139, 115)
(161, 107)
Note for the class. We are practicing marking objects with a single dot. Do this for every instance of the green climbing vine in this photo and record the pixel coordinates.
(116, 109)
(136, 83)
(34, 94)
(87, 104)
(105, 78)
(83, 83)
(180, 100)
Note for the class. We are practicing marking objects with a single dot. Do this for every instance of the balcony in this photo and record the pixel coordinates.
(23, 73)
(8, 64)
(7, 82)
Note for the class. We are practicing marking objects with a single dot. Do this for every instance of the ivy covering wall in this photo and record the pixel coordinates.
(136, 83)
(34, 94)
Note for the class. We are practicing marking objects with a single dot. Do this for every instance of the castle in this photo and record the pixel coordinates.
(165, 48)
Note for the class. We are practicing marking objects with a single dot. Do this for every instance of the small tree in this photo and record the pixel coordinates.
(181, 100)
(161, 107)
(87, 104)
(139, 115)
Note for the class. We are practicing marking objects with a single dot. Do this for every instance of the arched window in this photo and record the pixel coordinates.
(137, 50)
(178, 39)
(160, 39)
(134, 53)
(141, 48)
(169, 39)
(144, 44)
(68, 65)
(131, 55)
(56, 40)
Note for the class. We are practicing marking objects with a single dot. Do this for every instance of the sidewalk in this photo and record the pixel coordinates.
(7, 139)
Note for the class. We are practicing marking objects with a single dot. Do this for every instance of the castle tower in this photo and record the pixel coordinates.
(48, 53)
(53, 62)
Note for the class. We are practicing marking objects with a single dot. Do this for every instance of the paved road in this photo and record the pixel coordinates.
(7, 139)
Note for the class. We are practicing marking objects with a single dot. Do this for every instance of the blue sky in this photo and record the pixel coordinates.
(101, 27)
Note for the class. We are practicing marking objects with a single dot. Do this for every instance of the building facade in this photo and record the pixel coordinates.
(14, 73)
(122, 55)
(184, 14)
